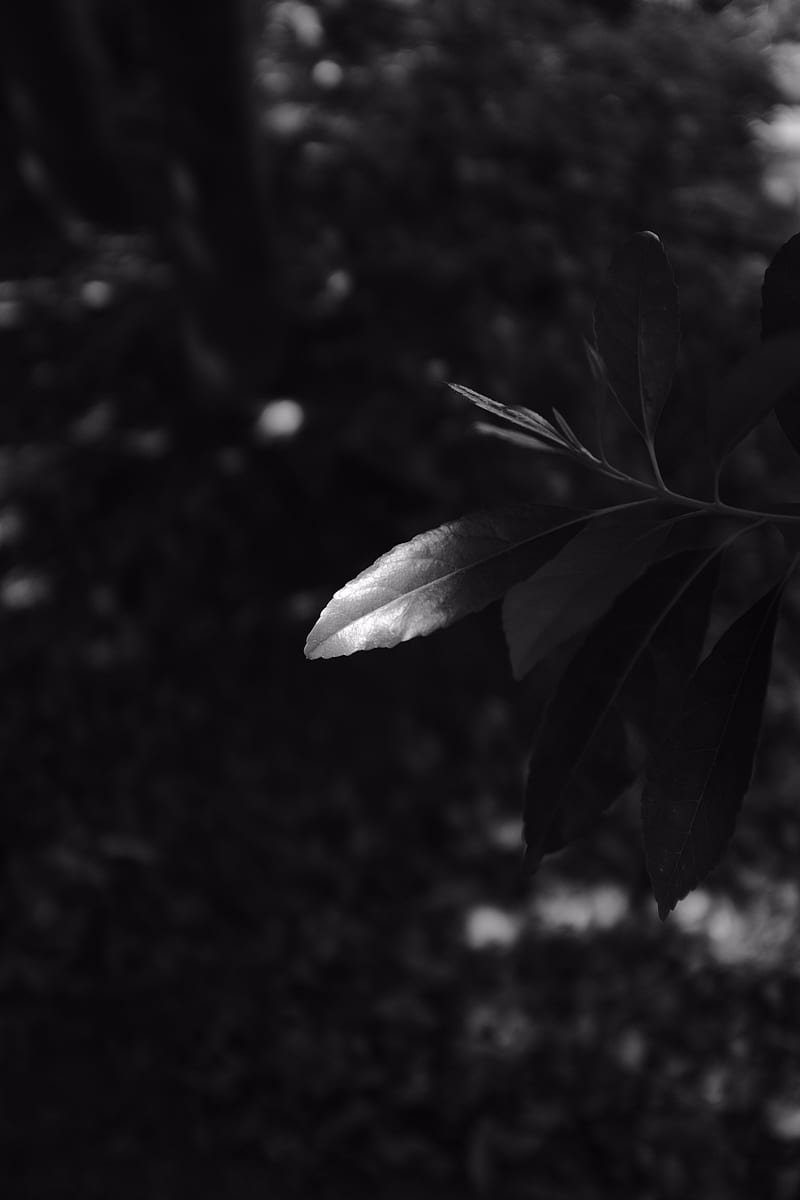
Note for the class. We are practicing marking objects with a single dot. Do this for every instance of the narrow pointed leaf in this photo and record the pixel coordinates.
(439, 577)
(591, 690)
(701, 772)
(599, 395)
(572, 437)
(780, 314)
(525, 440)
(577, 586)
(765, 376)
(637, 328)
(596, 364)
(525, 418)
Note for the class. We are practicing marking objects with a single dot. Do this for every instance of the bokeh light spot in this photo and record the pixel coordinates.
(488, 927)
(23, 588)
(279, 419)
(327, 74)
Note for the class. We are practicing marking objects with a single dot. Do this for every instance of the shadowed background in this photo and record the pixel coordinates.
(265, 930)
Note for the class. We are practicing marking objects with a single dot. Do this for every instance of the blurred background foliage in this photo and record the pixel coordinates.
(265, 930)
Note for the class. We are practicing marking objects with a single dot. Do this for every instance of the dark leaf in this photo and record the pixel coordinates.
(749, 393)
(590, 694)
(439, 577)
(617, 755)
(780, 294)
(600, 394)
(578, 585)
(701, 771)
(780, 313)
(637, 328)
(656, 686)
(788, 529)
(610, 766)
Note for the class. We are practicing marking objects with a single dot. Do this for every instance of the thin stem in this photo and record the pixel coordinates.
(651, 450)
(713, 506)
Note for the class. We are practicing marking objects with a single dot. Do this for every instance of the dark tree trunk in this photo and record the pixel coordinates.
(62, 106)
(140, 112)
(213, 212)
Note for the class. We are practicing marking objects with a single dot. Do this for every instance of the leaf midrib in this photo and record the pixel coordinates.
(421, 588)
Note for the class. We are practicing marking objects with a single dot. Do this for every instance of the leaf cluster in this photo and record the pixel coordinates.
(613, 606)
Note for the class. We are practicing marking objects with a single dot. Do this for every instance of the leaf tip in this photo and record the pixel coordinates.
(321, 643)
(312, 650)
(531, 856)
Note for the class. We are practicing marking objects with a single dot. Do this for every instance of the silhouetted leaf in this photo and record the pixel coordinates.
(579, 584)
(609, 767)
(637, 328)
(789, 529)
(616, 756)
(600, 395)
(439, 577)
(589, 696)
(780, 314)
(701, 771)
(780, 294)
(750, 392)
(657, 684)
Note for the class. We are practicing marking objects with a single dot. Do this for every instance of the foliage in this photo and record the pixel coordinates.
(456, 176)
(220, 969)
(629, 589)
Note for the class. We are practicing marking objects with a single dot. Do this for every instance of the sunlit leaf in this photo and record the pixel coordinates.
(439, 577)
(578, 585)
(780, 314)
(749, 393)
(637, 327)
(700, 773)
(590, 692)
